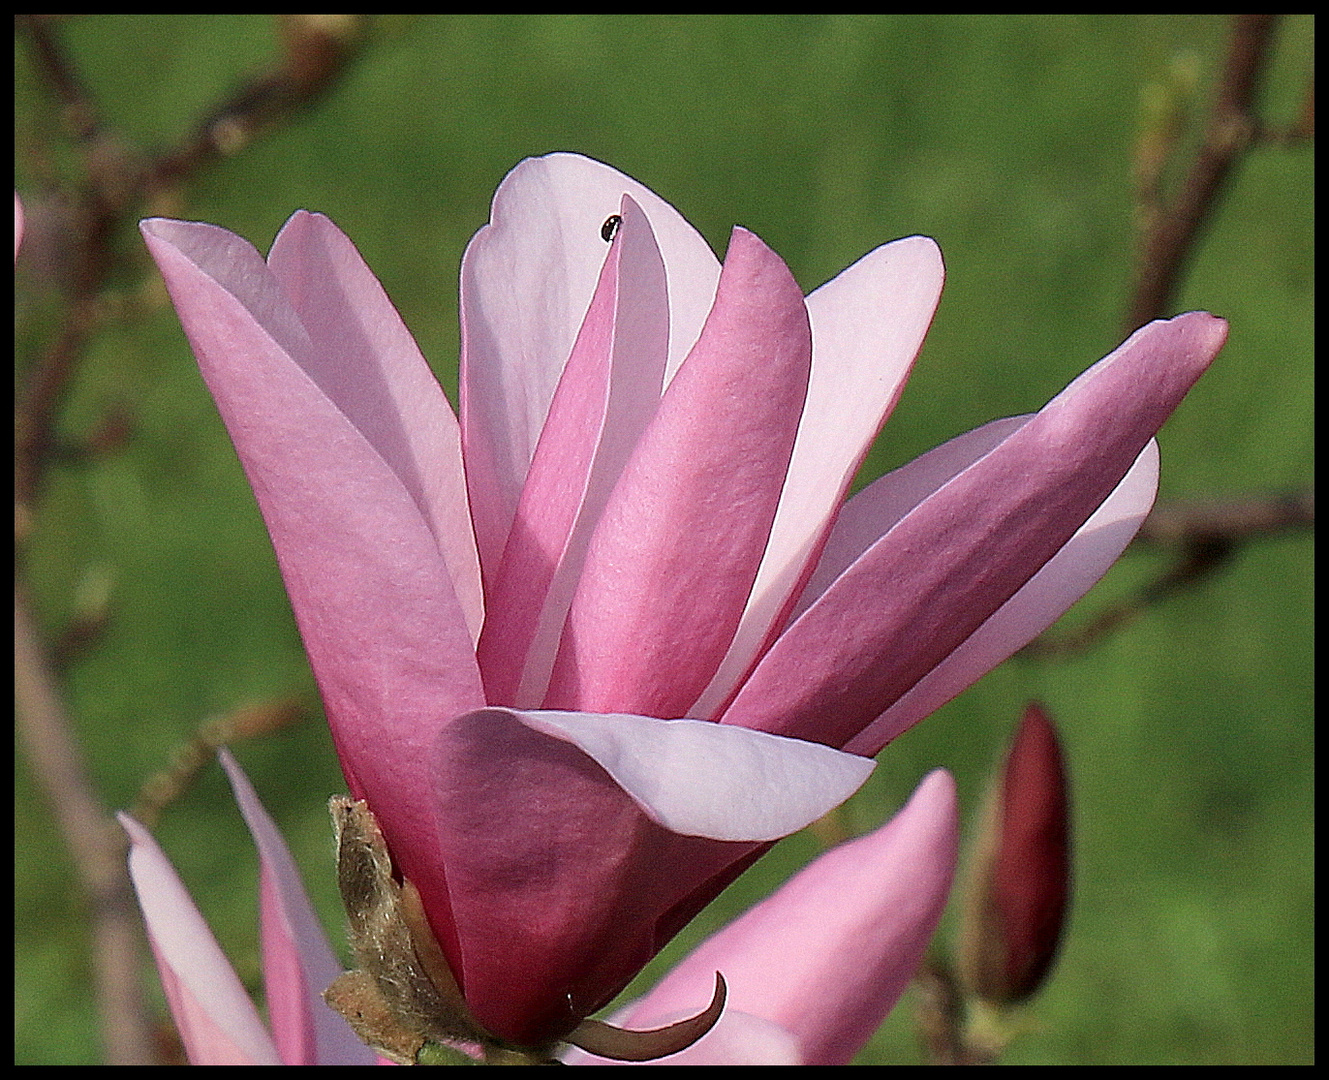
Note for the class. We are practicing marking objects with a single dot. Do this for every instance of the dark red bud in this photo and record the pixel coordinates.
(1021, 880)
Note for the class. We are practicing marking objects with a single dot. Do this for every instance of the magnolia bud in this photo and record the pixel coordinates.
(1020, 877)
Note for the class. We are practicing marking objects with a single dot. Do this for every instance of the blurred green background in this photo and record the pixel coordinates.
(1009, 140)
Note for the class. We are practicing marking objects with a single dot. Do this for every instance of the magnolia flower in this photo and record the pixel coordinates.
(814, 968)
(586, 653)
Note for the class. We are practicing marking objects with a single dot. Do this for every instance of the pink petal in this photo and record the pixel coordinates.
(827, 955)
(873, 512)
(932, 580)
(298, 963)
(867, 327)
(364, 359)
(697, 778)
(527, 279)
(609, 391)
(372, 593)
(692, 512)
(216, 1020)
(562, 887)
(1065, 578)
(1062, 581)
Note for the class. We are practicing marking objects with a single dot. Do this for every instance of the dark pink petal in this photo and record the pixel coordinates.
(1065, 578)
(827, 956)
(562, 887)
(372, 592)
(933, 579)
(561, 833)
(673, 559)
(298, 963)
(526, 282)
(868, 324)
(218, 1024)
(609, 391)
(873, 512)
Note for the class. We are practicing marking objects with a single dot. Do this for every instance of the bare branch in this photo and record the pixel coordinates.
(1204, 535)
(1231, 127)
(96, 845)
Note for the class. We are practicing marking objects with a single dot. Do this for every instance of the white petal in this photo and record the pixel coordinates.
(714, 780)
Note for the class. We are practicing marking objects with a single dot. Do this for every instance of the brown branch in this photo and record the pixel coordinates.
(71, 227)
(96, 845)
(118, 178)
(1174, 231)
(79, 255)
(944, 1020)
(59, 74)
(1235, 520)
(317, 50)
(1204, 535)
(164, 788)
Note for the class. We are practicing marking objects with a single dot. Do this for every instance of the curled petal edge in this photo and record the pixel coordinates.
(697, 778)
(624, 1044)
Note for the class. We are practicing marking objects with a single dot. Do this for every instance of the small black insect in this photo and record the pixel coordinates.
(610, 228)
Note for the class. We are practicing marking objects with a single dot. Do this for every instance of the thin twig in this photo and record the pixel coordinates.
(1203, 535)
(1174, 231)
(96, 845)
(166, 787)
(1235, 520)
(317, 50)
(114, 180)
(944, 1020)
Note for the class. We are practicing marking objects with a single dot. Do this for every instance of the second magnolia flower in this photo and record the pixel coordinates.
(587, 651)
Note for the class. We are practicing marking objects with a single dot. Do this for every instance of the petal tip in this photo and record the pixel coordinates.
(136, 832)
(938, 784)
